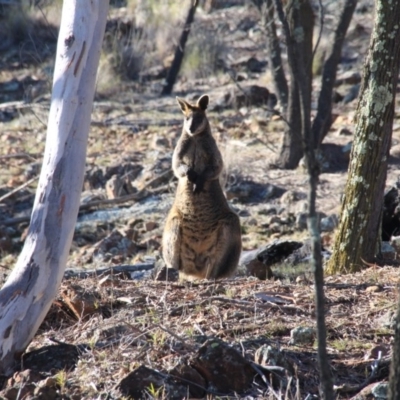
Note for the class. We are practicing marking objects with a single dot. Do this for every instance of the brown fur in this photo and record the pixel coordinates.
(202, 234)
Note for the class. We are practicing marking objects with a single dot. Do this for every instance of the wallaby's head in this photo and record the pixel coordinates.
(195, 115)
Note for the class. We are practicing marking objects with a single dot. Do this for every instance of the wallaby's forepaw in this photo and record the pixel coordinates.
(198, 186)
(192, 175)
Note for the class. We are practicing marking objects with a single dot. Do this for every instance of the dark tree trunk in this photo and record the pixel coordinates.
(274, 52)
(180, 51)
(323, 119)
(301, 24)
(358, 233)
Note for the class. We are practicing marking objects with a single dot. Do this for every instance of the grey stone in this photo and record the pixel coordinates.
(380, 391)
(302, 335)
(329, 223)
(388, 251)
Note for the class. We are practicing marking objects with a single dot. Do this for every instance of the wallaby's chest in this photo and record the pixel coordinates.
(203, 210)
(199, 154)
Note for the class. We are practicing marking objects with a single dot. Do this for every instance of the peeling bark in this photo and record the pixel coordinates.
(33, 284)
(358, 233)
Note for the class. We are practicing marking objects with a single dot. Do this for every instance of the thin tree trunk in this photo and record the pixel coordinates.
(358, 233)
(299, 55)
(291, 150)
(33, 284)
(394, 376)
(274, 52)
(180, 51)
(323, 119)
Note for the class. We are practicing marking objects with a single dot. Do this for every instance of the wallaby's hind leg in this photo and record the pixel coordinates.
(171, 243)
(230, 246)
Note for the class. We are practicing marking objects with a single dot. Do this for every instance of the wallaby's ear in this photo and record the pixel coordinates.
(202, 102)
(183, 104)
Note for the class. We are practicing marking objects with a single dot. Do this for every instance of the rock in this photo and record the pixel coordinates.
(150, 225)
(253, 96)
(188, 375)
(322, 160)
(47, 389)
(155, 72)
(115, 187)
(6, 244)
(150, 244)
(301, 221)
(348, 78)
(52, 358)
(127, 170)
(329, 223)
(21, 385)
(302, 217)
(137, 383)
(352, 94)
(380, 390)
(346, 150)
(81, 302)
(110, 281)
(374, 289)
(116, 243)
(32, 170)
(162, 273)
(304, 254)
(248, 96)
(395, 243)
(10, 393)
(160, 142)
(377, 352)
(337, 97)
(255, 267)
(374, 391)
(302, 335)
(388, 252)
(251, 64)
(387, 320)
(94, 178)
(301, 207)
(248, 191)
(267, 355)
(344, 132)
(23, 391)
(258, 262)
(232, 372)
(290, 197)
(391, 214)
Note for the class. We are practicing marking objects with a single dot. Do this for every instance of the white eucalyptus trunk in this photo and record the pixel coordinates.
(33, 284)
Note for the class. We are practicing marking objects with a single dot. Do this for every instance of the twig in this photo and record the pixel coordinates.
(17, 189)
(374, 367)
(321, 28)
(141, 194)
(70, 273)
(183, 341)
(96, 203)
(18, 155)
(243, 304)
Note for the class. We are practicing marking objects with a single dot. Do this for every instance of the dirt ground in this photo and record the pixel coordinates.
(113, 334)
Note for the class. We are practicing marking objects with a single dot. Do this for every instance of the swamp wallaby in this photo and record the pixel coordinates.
(202, 236)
